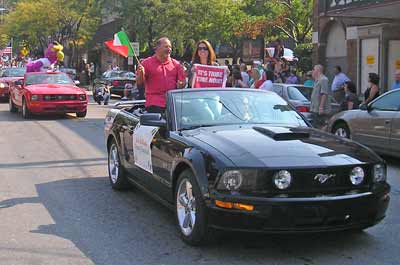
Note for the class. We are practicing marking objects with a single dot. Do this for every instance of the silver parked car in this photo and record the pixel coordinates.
(376, 125)
(299, 96)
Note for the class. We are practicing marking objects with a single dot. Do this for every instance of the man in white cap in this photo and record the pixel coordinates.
(257, 64)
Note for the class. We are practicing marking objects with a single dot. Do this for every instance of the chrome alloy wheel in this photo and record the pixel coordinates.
(113, 163)
(341, 132)
(186, 207)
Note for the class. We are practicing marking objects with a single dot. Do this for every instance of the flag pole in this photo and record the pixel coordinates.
(134, 53)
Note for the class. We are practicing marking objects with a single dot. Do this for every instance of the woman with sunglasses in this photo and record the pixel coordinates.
(204, 54)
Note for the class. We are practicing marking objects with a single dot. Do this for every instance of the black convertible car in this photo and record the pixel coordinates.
(243, 160)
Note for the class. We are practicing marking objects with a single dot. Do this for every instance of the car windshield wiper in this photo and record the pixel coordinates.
(195, 127)
(228, 109)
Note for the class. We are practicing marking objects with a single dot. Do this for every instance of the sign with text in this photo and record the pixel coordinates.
(142, 138)
(209, 76)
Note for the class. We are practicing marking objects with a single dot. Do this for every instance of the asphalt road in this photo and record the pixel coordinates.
(56, 207)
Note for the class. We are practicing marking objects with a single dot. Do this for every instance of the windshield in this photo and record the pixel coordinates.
(122, 75)
(295, 94)
(14, 72)
(209, 108)
(47, 78)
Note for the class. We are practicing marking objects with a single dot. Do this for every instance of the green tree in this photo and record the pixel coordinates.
(71, 22)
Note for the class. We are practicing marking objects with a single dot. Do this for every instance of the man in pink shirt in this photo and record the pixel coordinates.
(160, 73)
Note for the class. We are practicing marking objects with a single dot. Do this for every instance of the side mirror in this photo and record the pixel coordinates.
(153, 119)
(77, 83)
(365, 107)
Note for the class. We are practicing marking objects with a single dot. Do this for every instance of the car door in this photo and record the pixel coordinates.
(164, 150)
(395, 135)
(374, 125)
(128, 125)
(395, 131)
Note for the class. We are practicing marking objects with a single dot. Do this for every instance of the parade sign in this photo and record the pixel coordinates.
(142, 138)
(209, 76)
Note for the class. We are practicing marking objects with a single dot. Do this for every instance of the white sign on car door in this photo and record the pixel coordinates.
(142, 138)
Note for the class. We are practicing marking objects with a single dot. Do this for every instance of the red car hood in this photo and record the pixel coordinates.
(58, 89)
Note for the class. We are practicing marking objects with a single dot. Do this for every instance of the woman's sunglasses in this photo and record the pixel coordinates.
(202, 48)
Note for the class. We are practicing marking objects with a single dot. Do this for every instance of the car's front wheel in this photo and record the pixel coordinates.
(12, 106)
(341, 130)
(191, 210)
(116, 171)
(81, 114)
(26, 114)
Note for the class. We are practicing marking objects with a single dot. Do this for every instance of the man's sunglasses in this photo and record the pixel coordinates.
(202, 48)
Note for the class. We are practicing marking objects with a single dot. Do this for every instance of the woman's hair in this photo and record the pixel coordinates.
(255, 71)
(211, 54)
(270, 75)
(351, 87)
(237, 75)
(373, 78)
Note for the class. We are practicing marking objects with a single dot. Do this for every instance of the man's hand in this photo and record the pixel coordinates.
(140, 70)
(180, 84)
(140, 74)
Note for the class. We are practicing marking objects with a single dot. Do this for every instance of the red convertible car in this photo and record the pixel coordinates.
(51, 92)
(7, 76)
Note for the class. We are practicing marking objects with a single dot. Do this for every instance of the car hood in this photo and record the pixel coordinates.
(282, 147)
(54, 89)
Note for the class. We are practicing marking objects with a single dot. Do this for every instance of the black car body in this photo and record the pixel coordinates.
(250, 162)
(117, 79)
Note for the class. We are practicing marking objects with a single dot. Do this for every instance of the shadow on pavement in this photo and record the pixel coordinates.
(129, 228)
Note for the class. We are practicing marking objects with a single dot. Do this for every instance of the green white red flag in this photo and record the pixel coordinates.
(120, 44)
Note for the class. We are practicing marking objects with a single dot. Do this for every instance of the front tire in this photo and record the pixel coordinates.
(81, 114)
(341, 130)
(26, 114)
(116, 172)
(12, 106)
(191, 213)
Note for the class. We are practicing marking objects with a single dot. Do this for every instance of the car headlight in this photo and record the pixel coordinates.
(282, 179)
(3, 85)
(244, 179)
(34, 97)
(357, 175)
(379, 173)
(82, 97)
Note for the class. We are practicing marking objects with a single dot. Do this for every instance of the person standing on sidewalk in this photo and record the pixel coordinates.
(160, 73)
(338, 85)
(91, 73)
(320, 104)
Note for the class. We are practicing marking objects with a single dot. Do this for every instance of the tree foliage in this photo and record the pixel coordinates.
(220, 21)
(71, 22)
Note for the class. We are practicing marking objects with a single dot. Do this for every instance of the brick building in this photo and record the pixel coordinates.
(361, 36)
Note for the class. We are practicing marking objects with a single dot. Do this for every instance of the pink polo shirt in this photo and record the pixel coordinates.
(160, 78)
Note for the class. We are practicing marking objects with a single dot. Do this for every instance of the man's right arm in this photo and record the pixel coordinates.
(140, 75)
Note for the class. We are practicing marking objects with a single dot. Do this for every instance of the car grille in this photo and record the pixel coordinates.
(59, 97)
(305, 180)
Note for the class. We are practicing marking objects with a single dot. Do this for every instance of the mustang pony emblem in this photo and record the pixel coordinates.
(322, 178)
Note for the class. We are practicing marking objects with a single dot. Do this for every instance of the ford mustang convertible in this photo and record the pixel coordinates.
(44, 93)
(243, 160)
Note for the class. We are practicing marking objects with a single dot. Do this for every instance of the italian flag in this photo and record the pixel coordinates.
(120, 44)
